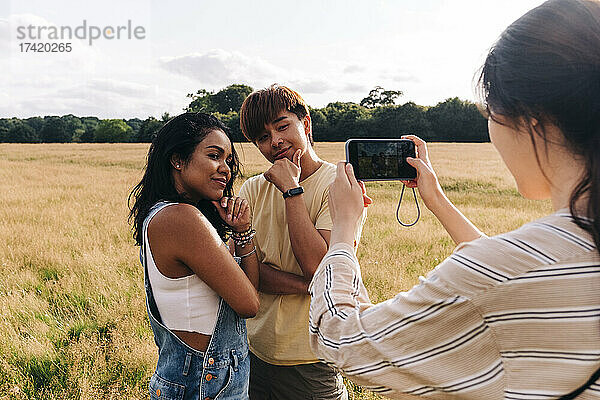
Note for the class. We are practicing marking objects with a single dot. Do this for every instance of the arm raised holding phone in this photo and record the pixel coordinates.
(456, 224)
(378, 346)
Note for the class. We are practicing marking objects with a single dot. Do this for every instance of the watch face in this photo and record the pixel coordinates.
(293, 192)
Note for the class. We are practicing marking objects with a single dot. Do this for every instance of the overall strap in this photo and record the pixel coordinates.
(151, 306)
(153, 313)
(152, 212)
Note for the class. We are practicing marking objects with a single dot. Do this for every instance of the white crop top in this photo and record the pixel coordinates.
(186, 303)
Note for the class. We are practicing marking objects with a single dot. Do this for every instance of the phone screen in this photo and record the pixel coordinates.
(380, 159)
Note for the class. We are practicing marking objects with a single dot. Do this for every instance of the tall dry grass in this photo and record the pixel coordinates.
(72, 317)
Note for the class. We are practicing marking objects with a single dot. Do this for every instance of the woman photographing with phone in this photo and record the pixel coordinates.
(514, 316)
(197, 296)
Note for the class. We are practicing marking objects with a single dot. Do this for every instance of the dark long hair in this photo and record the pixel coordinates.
(179, 136)
(546, 66)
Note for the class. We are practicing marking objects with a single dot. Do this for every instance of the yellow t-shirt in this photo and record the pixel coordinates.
(278, 334)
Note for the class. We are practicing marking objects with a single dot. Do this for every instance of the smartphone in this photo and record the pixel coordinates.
(381, 159)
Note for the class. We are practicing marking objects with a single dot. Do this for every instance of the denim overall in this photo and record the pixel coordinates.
(221, 372)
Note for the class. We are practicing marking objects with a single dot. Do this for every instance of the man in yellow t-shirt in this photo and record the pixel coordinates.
(290, 212)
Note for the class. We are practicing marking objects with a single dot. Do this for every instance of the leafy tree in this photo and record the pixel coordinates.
(73, 126)
(148, 130)
(224, 101)
(393, 121)
(135, 124)
(88, 135)
(37, 123)
(379, 97)
(320, 125)
(231, 98)
(201, 101)
(89, 124)
(224, 104)
(345, 120)
(113, 131)
(6, 124)
(55, 131)
(22, 133)
(456, 120)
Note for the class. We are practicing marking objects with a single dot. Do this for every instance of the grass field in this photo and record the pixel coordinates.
(72, 315)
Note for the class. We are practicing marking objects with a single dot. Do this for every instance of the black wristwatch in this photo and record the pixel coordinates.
(293, 192)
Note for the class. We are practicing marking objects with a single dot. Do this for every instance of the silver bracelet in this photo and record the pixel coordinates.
(249, 253)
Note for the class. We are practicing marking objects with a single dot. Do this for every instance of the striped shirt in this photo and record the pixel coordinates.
(515, 316)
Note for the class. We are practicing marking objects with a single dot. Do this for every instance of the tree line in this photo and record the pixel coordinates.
(376, 116)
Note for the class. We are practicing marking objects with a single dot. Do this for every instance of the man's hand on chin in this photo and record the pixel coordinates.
(285, 174)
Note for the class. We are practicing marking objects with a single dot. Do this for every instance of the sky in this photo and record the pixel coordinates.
(328, 51)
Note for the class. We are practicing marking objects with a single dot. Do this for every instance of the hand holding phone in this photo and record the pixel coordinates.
(427, 182)
(405, 160)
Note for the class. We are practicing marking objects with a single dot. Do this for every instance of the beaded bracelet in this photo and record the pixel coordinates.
(244, 233)
(243, 238)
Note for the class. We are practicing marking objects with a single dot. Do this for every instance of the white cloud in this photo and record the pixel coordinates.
(8, 27)
(127, 89)
(90, 80)
(220, 67)
(429, 50)
(351, 69)
(355, 88)
(105, 98)
(4, 101)
(312, 86)
(404, 77)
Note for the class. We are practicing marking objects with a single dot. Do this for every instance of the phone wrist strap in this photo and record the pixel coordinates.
(400, 202)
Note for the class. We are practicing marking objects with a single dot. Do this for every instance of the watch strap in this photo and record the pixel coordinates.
(293, 192)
